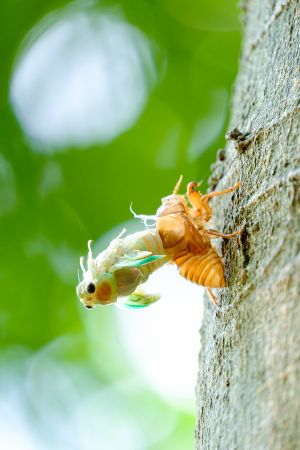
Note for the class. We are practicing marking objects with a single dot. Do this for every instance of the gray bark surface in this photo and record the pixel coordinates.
(248, 392)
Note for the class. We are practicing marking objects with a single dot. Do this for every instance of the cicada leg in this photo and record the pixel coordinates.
(212, 296)
(201, 210)
(216, 233)
(224, 191)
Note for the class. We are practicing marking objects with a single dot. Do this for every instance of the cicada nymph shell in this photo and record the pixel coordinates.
(187, 241)
(193, 253)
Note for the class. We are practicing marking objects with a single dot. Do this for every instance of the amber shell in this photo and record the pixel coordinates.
(190, 250)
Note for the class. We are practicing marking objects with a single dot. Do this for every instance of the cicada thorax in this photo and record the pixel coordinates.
(192, 252)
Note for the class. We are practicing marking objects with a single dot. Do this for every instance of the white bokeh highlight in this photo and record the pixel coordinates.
(163, 339)
(84, 78)
(48, 402)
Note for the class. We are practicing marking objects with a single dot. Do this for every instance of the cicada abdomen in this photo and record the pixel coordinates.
(191, 251)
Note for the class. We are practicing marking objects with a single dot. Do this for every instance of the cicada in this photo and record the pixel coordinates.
(179, 235)
(117, 272)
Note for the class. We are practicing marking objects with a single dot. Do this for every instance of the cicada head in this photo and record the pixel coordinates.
(97, 287)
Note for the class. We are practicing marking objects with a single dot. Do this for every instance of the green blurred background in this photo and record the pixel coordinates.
(102, 104)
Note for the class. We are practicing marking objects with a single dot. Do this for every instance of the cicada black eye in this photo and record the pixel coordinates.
(88, 306)
(91, 288)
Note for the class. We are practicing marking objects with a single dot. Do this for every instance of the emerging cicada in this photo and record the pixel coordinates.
(179, 236)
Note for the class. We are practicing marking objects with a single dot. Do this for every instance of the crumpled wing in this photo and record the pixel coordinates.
(138, 299)
(141, 260)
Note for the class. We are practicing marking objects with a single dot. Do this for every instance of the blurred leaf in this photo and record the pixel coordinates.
(66, 373)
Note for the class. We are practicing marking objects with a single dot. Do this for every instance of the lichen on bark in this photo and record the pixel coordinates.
(248, 391)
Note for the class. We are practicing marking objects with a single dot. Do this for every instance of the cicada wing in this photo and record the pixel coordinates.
(124, 261)
(134, 255)
(138, 299)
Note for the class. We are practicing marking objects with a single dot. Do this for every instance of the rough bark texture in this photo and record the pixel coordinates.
(249, 379)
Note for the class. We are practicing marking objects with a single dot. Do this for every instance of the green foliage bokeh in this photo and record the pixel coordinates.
(43, 232)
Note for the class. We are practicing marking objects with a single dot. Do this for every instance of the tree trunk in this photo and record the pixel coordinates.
(249, 379)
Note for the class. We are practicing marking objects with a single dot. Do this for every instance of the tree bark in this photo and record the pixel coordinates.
(248, 389)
